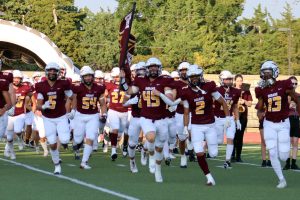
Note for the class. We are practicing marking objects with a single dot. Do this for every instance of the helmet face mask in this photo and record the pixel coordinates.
(153, 71)
(228, 82)
(182, 74)
(140, 72)
(88, 79)
(52, 74)
(269, 71)
(195, 80)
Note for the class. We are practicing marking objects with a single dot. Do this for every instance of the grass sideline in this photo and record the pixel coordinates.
(243, 181)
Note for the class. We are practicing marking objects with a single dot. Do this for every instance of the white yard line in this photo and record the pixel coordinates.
(73, 180)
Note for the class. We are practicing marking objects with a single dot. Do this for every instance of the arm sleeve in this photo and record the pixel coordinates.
(168, 101)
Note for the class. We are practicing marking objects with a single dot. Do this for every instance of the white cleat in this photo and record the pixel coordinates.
(12, 155)
(158, 177)
(151, 164)
(143, 157)
(210, 180)
(57, 170)
(171, 156)
(282, 184)
(7, 153)
(85, 166)
(133, 167)
(183, 161)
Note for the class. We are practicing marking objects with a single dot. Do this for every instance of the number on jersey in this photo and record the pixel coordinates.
(151, 99)
(89, 101)
(276, 101)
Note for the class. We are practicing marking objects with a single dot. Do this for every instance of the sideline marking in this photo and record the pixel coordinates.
(73, 180)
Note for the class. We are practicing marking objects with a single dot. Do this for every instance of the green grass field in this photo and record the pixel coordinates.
(243, 181)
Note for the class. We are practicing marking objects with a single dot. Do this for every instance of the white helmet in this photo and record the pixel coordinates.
(107, 77)
(153, 61)
(62, 66)
(36, 74)
(269, 65)
(86, 70)
(195, 70)
(183, 65)
(225, 74)
(18, 74)
(165, 72)
(174, 74)
(99, 74)
(115, 72)
(132, 67)
(52, 65)
(140, 65)
(76, 78)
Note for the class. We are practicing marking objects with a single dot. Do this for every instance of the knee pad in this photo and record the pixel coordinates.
(182, 137)
(213, 150)
(158, 155)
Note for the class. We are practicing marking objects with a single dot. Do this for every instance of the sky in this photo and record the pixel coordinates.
(274, 7)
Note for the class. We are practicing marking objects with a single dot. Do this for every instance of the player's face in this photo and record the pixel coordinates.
(238, 82)
(295, 83)
(140, 72)
(116, 79)
(267, 74)
(228, 82)
(62, 72)
(133, 74)
(153, 71)
(36, 79)
(17, 81)
(182, 73)
(195, 80)
(99, 80)
(52, 74)
(88, 79)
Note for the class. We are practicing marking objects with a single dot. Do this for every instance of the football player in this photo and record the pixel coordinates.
(87, 94)
(152, 119)
(274, 95)
(231, 96)
(5, 105)
(51, 100)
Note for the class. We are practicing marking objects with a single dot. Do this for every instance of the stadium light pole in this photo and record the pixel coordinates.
(289, 31)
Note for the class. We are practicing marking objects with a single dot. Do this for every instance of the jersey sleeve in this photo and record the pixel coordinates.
(258, 92)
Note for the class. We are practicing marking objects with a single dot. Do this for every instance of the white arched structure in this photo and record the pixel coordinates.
(32, 44)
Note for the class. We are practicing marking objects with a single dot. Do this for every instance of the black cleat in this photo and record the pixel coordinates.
(191, 156)
(269, 164)
(114, 157)
(65, 146)
(168, 161)
(264, 163)
(239, 160)
(175, 150)
(125, 151)
(227, 165)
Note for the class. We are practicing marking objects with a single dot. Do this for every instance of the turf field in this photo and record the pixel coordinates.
(30, 177)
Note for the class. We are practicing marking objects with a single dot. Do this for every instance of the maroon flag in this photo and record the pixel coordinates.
(127, 44)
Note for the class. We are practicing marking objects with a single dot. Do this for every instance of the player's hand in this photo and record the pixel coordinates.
(156, 92)
(238, 125)
(172, 108)
(71, 114)
(11, 111)
(103, 118)
(38, 113)
(185, 131)
(227, 122)
(46, 105)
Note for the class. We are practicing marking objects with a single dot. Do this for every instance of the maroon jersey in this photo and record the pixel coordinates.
(55, 95)
(87, 99)
(116, 97)
(6, 76)
(200, 104)
(246, 95)
(275, 99)
(136, 108)
(4, 86)
(152, 106)
(231, 98)
(21, 93)
(178, 85)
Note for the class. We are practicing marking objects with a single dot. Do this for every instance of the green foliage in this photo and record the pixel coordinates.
(207, 32)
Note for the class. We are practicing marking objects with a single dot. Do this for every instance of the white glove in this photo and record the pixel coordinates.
(71, 114)
(227, 122)
(132, 101)
(172, 108)
(11, 111)
(46, 105)
(238, 125)
(185, 131)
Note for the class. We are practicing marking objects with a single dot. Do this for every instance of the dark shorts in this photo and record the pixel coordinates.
(294, 131)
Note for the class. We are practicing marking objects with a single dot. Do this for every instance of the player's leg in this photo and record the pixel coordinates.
(114, 125)
(182, 139)
(78, 133)
(230, 133)
(133, 133)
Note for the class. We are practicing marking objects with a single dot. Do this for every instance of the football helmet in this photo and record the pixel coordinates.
(269, 71)
(153, 62)
(87, 70)
(195, 71)
(225, 74)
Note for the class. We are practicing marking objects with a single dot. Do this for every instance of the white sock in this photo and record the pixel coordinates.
(166, 150)
(55, 156)
(10, 146)
(44, 146)
(229, 149)
(7, 146)
(113, 150)
(276, 163)
(189, 144)
(131, 151)
(86, 153)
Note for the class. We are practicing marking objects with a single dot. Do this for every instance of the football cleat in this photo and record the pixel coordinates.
(158, 177)
(85, 166)
(269, 164)
(57, 170)
(151, 164)
(282, 184)
(183, 161)
(125, 151)
(191, 156)
(210, 180)
(227, 165)
(20, 144)
(168, 161)
(295, 167)
(7, 153)
(143, 157)
(264, 163)
(12, 155)
(77, 155)
(133, 167)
